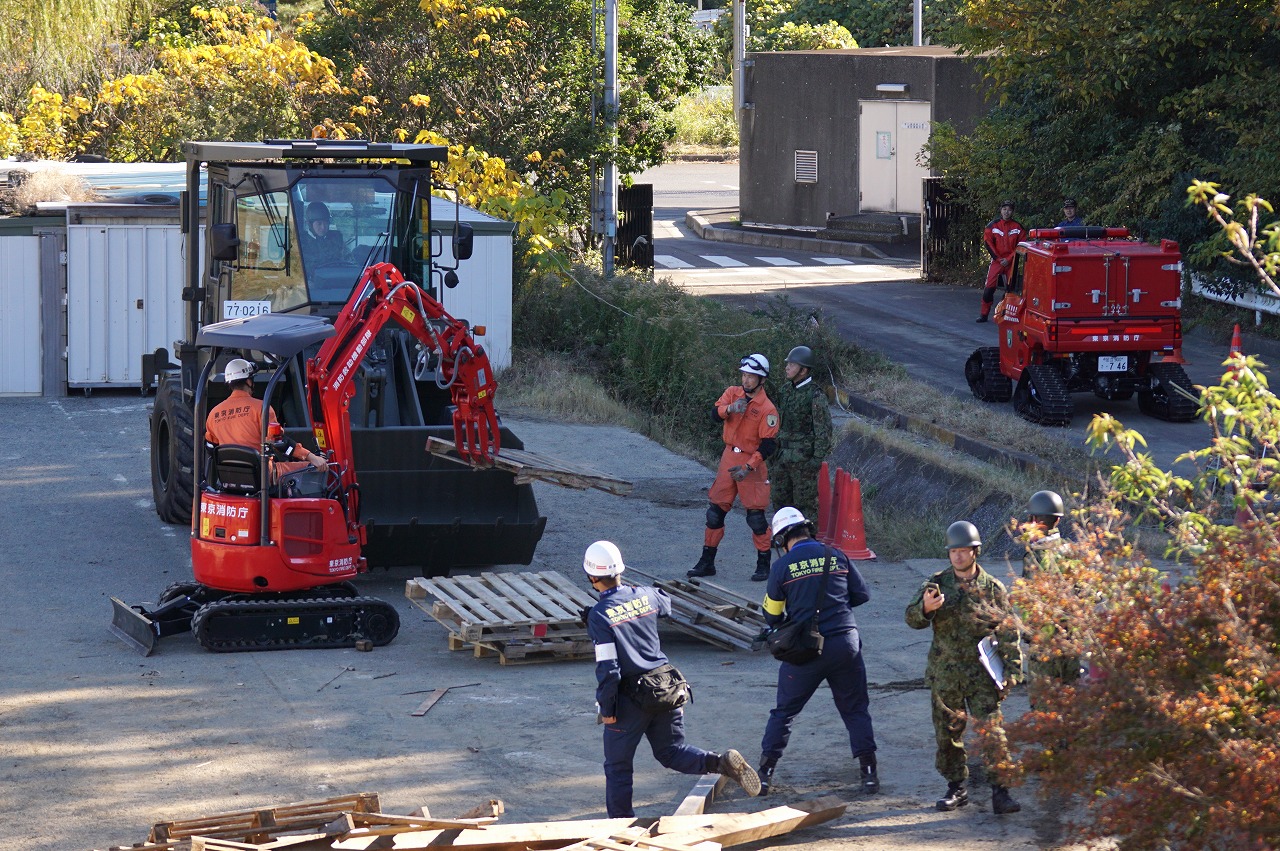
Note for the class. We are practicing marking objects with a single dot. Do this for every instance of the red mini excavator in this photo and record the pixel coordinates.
(272, 552)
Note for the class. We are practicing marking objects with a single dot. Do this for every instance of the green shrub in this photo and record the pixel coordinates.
(663, 353)
(706, 117)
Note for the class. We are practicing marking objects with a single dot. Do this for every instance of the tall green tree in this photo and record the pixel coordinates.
(1120, 105)
(515, 80)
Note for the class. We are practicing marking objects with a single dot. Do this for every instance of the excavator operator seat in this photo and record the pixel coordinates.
(235, 469)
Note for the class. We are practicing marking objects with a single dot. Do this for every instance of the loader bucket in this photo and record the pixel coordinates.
(434, 514)
(133, 627)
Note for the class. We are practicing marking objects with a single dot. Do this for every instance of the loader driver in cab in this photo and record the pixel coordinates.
(322, 244)
(1001, 238)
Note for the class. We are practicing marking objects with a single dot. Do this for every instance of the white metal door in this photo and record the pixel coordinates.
(891, 135)
(124, 286)
(20, 343)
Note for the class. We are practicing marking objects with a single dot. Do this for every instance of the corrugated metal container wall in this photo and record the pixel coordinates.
(124, 285)
(20, 347)
(483, 294)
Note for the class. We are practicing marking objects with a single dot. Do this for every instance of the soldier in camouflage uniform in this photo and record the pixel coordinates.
(964, 604)
(804, 437)
(1044, 511)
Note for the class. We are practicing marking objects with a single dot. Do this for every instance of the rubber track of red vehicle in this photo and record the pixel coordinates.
(376, 621)
(1053, 403)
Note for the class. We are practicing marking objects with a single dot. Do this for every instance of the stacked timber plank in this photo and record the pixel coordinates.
(519, 617)
(708, 611)
(364, 830)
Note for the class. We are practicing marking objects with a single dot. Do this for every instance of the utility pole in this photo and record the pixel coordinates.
(739, 58)
(917, 23)
(604, 110)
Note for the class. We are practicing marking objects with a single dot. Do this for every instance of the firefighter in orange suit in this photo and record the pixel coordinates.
(1001, 238)
(238, 420)
(750, 432)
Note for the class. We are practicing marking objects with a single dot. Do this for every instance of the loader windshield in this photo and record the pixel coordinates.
(308, 243)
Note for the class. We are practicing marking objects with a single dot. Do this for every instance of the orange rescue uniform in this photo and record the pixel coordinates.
(237, 420)
(742, 435)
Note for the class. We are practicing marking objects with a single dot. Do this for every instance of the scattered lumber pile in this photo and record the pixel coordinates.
(709, 611)
(530, 466)
(519, 617)
(354, 823)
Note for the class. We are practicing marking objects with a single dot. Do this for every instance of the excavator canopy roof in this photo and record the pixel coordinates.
(279, 334)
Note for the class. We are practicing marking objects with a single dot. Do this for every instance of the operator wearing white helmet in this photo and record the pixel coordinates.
(750, 437)
(629, 658)
(237, 419)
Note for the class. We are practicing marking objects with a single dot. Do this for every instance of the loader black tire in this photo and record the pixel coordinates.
(982, 371)
(172, 452)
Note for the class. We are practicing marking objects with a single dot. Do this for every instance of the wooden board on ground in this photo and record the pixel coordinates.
(531, 466)
(261, 824)
(519, 617)
(740, 828)
(709, 611)
(702, 795)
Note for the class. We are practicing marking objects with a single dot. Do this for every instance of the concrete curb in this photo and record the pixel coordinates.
(700, 222)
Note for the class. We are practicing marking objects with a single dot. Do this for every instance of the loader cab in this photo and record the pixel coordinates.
(307, 234)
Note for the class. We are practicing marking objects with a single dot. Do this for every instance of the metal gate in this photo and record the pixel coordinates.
(951, 235)
(634, 246)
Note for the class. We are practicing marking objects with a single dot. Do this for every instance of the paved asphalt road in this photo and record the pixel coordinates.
(879, 304)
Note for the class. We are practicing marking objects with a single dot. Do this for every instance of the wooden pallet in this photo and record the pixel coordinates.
(519, 617)
(708, 611)
(530, 466)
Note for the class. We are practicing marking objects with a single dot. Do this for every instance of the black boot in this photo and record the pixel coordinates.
(957, 796)
(1002, 802)
(762, 566)
(706, 565)
(982, 318)
(870, 780)
(765, 773)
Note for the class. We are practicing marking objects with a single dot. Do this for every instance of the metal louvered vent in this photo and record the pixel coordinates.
(806, 166)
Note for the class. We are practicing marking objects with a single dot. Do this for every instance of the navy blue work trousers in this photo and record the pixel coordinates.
(840, 665)
(665, 732)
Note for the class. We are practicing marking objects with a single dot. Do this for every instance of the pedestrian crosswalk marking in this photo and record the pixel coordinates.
(722, 260)
(779, 261)
(668, 261)
(831, 261)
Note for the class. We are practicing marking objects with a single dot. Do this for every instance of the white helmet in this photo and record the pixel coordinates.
(756, 364)
(238, 369)
(603, 558)
(784, 520)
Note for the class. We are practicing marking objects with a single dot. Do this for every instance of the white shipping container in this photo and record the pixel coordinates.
(20, 341)
(124, 299)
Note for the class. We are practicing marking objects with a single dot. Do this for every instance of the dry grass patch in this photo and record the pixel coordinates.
(549, 385)
(991, 423)
(49, 184)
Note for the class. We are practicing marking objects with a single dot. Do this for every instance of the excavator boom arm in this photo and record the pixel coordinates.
(383, 295)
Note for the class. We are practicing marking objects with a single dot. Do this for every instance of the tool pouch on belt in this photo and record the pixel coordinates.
(660, 690)
(800, 642)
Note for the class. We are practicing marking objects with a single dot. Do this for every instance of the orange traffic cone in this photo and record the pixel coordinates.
(823, 520)
(1236, 345)
(853, 534)
(1174, 356)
